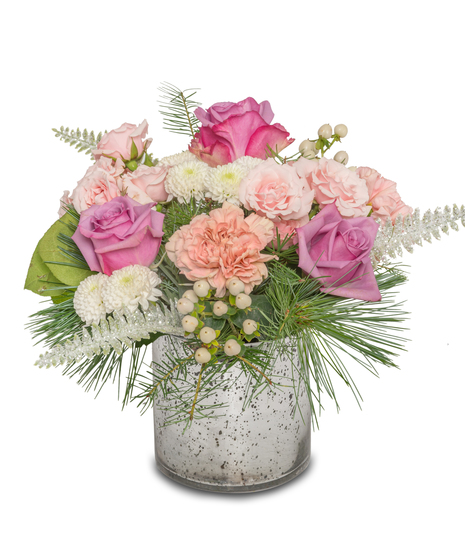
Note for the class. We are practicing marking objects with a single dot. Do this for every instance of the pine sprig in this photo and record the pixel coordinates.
(82, 141)
(177, 108)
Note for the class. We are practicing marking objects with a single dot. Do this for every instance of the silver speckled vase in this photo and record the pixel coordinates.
(258, 447)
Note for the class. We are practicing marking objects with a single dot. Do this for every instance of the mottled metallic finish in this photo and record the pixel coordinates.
(257, 448)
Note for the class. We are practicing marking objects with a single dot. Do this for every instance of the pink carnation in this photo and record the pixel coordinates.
(222, 245)
(101, 183)
(383, 196)
(64, 200)
(276, 191)
(146, 184)
(333, 182)
(118, 143)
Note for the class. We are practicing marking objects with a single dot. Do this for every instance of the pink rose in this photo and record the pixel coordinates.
(232, 130)
(287, 229)
(119, 142)
(276, 191)
(64, 200)
(100, 184)
(222, 245)
(119, 233)
(336, 250)
(383, 196)
(333, 182)
(146, 184)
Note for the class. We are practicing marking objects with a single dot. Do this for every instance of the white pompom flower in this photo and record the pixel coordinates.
(130, 286)
(222, 183)
(177, 159)
(248, 163)
(88, 299)
(187, 180)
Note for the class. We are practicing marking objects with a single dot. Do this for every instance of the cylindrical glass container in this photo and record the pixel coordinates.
(258, 447)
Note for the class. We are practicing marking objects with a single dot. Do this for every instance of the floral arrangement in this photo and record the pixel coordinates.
(244, 252)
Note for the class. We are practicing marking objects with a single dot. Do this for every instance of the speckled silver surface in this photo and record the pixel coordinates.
(256, 448)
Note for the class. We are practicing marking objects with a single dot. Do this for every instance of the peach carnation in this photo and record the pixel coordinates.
(100, 184)
(276, 191)
(222, 245)
(383, 196)
(333, 182)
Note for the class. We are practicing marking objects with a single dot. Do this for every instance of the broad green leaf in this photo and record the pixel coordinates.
(40, 278)
(61, 266)
(259, 311)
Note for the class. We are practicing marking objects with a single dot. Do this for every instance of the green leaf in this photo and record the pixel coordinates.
(39, 277)
(134, 152)
(260, 311)
(153, 337)
(61, 265)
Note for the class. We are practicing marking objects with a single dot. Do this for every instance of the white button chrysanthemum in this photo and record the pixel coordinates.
(248, 163)
(130, 286)
(88, 301)
(222, 183)
(177, 159)
(187, 180)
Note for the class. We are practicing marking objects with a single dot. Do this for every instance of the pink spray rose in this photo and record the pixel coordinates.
(146, 184)
(118, 143)
(119, 233)
(232, 130)
(336, 250)
(383, 196)
(333, 182)
(222, 245)
(101, 183)
(276, 192)
(64, 200)
(287, 229)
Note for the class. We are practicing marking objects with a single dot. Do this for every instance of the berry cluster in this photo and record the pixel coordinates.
(200, 308)
(311, 149)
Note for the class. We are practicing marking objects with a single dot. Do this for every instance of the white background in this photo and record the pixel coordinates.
(78, 475)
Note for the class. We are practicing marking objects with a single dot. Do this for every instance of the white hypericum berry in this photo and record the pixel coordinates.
(325, 131)
(202, 355)
(341, 130)
(190, 295)
(185, 306)
(189, 323)
(249, 327)
(232, 347)
(220, 308)
(207, 335)
(307, 148)
(243, 301)
(341, 157)
(201, 288)
(235, 286)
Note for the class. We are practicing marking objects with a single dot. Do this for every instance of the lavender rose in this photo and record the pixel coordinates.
(336, 251)
(119, 233)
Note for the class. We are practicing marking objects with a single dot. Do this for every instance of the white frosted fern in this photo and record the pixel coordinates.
(391, 239)
(122, 328)
(82, 141)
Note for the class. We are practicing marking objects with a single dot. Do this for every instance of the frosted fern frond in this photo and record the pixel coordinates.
(82, 141)
(391, 239)
(122, 328)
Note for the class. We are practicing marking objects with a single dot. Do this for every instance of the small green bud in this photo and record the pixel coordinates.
(159, 207)
(132, 165)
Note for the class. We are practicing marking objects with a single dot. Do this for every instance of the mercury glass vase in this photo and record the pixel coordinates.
(247, 448)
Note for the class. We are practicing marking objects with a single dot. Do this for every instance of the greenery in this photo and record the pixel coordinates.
(82, 141)
(177, 108)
